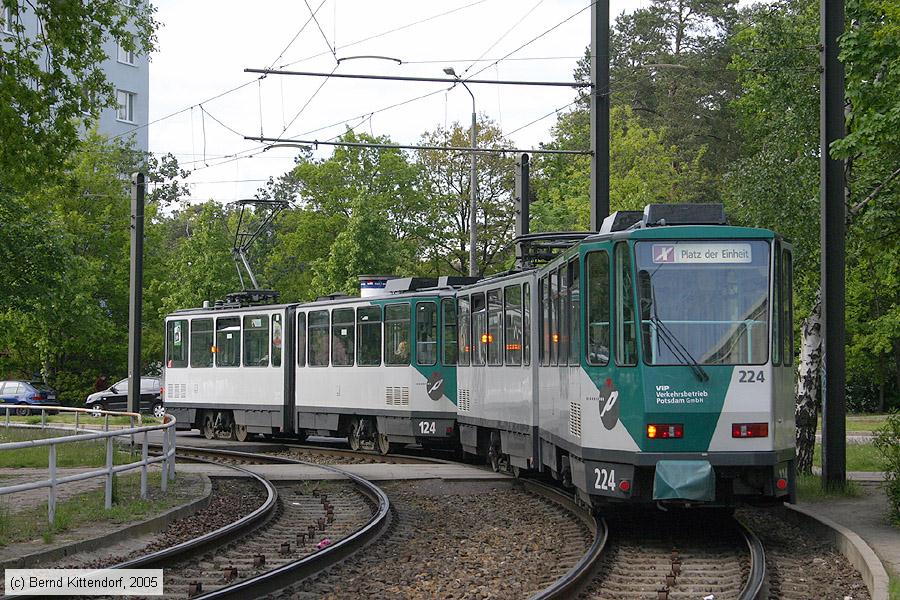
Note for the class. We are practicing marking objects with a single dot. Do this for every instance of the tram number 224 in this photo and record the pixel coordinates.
(427, 427)
(606, 479)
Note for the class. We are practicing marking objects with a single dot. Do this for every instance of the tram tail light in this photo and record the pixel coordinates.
(664, 431)
(624, 485)
(781, 484)
(749, 430)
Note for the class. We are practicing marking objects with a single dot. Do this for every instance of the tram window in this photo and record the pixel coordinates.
(479, 330)
(342, 337)
(512, 304)
(574, 314)
(787, 299)
(598, 308)
(465, 333)
(495, 328)
(626, 340)
(448, 319)
(201, 343)
(777, 300)
(396, 334)
(545, 320)
(276, 340)
(426, 333)
(301, 339)
(368, 336)
(256, 341)
(562, 326)
(228, 342)
(318, 338)
(554, 318)
(526, 324)
(176, 344)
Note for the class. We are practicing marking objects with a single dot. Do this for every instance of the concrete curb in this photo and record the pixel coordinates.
(151, 525)
(848, 543)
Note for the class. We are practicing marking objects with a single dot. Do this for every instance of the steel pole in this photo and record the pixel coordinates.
(833, 224)
(599, 113)
(136, 285)
(473, 199)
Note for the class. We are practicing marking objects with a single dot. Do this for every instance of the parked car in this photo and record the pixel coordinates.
(115, 397)
(25, 394)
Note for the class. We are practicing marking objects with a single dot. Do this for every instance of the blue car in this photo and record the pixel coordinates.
(25, 394)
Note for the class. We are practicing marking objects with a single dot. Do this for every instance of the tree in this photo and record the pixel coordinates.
(447, 186)
(52, 83)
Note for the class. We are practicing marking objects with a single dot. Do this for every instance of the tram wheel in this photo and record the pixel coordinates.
(384, 444)
(240, 433)
(209, 431)
(353, 436)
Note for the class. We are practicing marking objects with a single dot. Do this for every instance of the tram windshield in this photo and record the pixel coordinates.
(704, 302)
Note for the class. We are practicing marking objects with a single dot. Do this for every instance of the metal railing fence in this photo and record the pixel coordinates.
(83, 434)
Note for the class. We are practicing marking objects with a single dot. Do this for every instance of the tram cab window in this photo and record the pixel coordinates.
(626, 333)
(479, 330)
(342, 344)
(301, 339)
(512, 304)
(545, 320)
(574, 320)
(562, 326)
(597, 271)
(228, 342)
(426, 333)
(526, 324)
(276, 340)
(465, 332)
(554, 318)
(777, 304)
(368, 336)
(495, 328)
(256, 341)
(202, 343)
(396, 334)
(787, 306)
(318, 338)
(176, 344)
(449, 336)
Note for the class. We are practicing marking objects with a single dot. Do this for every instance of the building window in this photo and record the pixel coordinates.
(125, 56)
(7, 16)
(125, 111)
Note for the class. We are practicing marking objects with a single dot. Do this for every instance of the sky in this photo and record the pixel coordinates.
(205, 45)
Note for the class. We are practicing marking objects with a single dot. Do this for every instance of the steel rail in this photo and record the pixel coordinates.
(292, 572)
(244, 524)
(584, 570)
(754, 589)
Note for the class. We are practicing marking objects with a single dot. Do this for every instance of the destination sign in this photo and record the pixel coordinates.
(706, 252)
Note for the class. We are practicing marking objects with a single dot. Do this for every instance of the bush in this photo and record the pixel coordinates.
(887, 440)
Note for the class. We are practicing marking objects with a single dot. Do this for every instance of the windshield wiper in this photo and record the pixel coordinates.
(671, 342)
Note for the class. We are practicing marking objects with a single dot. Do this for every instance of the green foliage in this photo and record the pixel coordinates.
(52, 83)
(810, 489)
(887, 440)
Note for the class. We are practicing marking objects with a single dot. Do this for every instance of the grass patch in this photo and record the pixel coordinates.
(894, 588)
(809, 489)
(91, 453)
(83, 419)
(860, 423)
(860, 457)
(87, 509)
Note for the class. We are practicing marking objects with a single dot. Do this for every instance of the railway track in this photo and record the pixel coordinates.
(299, 530)
(681, 556)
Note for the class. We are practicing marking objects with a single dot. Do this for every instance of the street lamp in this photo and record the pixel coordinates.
(473, 203)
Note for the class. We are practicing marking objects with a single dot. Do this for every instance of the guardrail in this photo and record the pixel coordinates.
(167, 458)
